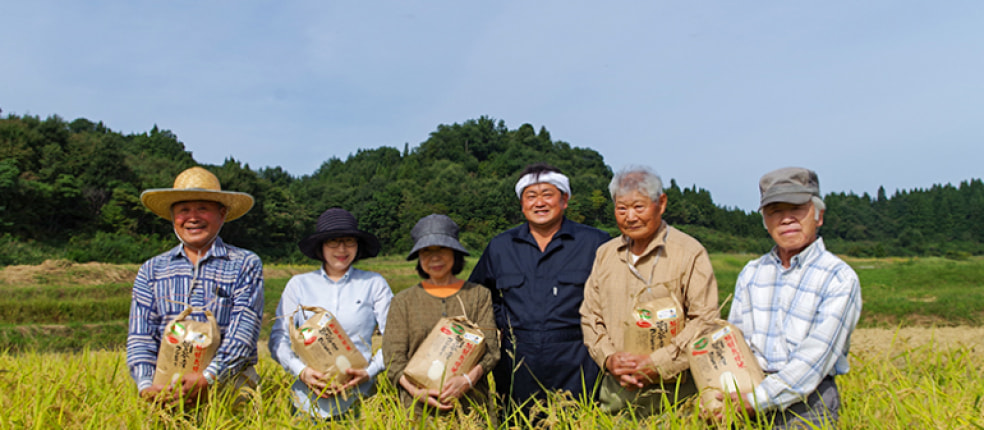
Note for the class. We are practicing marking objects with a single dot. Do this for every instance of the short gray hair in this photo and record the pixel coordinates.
(636, 178)
(818, 206)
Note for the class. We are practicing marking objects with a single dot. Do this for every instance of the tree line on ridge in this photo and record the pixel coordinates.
(72, 190)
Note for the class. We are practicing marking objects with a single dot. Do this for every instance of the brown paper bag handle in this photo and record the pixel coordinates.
(310, 308)
(708, 325)
(464, 314)
(724, 302)
(290, 325)
(676, 301)
(463, 310)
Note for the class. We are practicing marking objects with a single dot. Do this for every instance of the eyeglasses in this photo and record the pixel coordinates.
(348, 242)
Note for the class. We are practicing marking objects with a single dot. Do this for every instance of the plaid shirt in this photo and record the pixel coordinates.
(797, 320)
(228, 281)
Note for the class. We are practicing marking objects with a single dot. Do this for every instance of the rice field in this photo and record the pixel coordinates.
(916, 361)
(901, 383)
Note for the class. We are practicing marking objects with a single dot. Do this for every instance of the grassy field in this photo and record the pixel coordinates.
(62, 327)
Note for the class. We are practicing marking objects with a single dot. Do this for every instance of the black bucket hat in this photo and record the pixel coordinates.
(435, 230)
(334, 223)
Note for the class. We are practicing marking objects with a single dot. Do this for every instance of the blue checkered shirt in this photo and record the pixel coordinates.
(797, 320)
(228, 282)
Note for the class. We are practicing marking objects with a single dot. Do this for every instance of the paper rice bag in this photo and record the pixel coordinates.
(652, 323)
(188, 346)
(721, 361)
(321, 343)
(453, 347)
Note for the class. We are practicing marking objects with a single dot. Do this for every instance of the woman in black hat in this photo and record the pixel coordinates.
(358, 299)
(416, 311)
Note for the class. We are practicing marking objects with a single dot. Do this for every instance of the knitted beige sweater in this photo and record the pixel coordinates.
(413, 314)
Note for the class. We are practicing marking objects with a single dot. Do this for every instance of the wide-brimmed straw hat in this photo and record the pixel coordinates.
(196, 183)
(435, 230)
(334, 223)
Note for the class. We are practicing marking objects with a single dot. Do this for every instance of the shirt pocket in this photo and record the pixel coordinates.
(570, 285)
(509, 284)
(668, 283)
(565, 296)
(223, 309)
(575, 278)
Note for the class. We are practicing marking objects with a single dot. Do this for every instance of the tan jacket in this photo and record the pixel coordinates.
(673, 259)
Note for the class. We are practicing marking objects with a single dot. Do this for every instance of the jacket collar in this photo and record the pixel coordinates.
(566, 231)
(658, 242)
(343, 279)
(810, 253)
(218, 250)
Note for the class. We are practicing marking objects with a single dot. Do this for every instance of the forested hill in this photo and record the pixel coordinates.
(71, 190)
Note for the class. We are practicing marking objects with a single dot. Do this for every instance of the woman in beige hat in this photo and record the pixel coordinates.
(358, 299)
(415, 312)
(202, 272)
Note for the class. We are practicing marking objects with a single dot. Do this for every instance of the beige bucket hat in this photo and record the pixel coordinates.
(196, 183)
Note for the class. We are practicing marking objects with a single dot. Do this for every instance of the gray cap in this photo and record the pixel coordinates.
(794, 185)
(435, 230)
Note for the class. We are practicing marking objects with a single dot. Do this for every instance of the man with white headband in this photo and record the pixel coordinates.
(202, 272)
(536, 272)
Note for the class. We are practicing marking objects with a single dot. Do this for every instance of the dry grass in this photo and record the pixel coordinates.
(69, 273)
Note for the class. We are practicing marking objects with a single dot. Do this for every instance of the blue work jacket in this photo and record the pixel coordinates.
(536, 297)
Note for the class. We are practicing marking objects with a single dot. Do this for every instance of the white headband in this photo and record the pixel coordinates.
(553, 178)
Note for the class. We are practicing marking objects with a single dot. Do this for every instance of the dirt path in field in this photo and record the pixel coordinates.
(62, 271)
(877, 340)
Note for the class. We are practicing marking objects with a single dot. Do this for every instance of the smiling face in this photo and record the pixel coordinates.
(793, 227)
(438, 263)
(543, 206)
(339, 254)
(639, 217)
(197, 223)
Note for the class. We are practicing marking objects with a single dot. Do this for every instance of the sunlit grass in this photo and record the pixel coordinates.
(925, 386)
(903, 386)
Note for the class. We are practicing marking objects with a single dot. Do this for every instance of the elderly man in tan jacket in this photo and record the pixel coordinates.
(653, 259)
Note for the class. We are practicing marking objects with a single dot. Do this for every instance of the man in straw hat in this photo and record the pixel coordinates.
(536, 273)
(202, 272)
(797, 306)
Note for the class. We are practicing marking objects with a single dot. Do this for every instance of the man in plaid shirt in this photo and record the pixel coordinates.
(797, 306)
(203, 272)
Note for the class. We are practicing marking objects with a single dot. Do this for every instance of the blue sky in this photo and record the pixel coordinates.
(712, 93)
